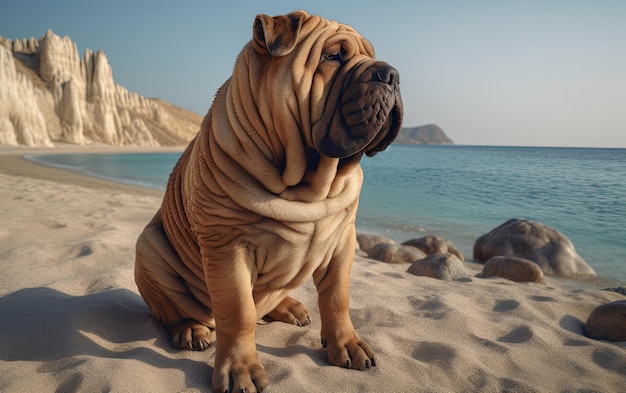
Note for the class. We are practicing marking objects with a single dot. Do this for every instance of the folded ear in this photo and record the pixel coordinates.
(278, 34)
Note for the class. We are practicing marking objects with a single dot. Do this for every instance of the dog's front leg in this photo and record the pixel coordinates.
(228, 279)
(343, 346)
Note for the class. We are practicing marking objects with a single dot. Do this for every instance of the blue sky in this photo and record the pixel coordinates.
(535, 73)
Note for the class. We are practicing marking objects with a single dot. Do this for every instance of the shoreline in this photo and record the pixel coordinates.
(73, 319)
(13, 161)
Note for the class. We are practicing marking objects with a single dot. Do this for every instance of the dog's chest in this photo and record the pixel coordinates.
(285, 255)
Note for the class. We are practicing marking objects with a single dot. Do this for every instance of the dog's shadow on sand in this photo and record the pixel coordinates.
(45, 325)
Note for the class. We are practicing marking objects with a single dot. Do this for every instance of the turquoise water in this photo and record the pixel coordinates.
(458, 192)
(149, 170)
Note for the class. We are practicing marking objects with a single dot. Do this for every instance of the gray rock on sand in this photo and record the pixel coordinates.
(621, 290)
(608, 322)
(514, 269)
(434, 245)
(368, 241)
(441, 266)
(545, 246)
(395, 253)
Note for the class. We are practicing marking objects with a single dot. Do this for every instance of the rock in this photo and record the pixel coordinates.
(368, 241)
(442, 266)
(514, 269)
(608, 322)
(50, 94)
(395, 253)
(423, 135)
(434, 245)
(621, 290)
(22, 106)
(358, 252)
(527, 239)
(58, 59)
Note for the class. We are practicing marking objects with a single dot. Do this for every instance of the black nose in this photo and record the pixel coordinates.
(387, 74)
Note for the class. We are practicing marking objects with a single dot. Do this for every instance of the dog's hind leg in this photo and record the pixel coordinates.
(171, 299)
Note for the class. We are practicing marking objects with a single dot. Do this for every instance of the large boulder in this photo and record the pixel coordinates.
(434, 245)
(545, 246)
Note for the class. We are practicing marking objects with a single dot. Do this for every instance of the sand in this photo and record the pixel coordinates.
(71, 318)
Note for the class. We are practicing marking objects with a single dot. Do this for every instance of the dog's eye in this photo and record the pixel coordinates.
(334, 55)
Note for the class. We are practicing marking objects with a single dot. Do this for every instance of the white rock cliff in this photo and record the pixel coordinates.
(49, 94)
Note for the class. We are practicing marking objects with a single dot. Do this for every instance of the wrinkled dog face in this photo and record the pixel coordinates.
(368, 113)
(351, 101)
(361, 108)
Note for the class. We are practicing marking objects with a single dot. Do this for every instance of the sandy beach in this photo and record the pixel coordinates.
(72, 319)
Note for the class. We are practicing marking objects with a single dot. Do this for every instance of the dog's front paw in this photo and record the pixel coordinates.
(349, 351)
(245, 373)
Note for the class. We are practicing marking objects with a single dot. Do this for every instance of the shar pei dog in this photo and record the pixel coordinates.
(265, 196)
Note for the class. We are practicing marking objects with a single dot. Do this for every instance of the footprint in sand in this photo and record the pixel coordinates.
(489, 344)
(572, 324)
(98, 222)
(429, 308)
(576, 343)
(84, 251)
(518, 335)
(117, 201)
(394, 275)
(80, 250)
(99, 214)
(435, 353)
(541, 298)
(610, 359)
(506, 305)
(55, 225)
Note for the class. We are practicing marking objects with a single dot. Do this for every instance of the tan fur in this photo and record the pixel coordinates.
(265, 197)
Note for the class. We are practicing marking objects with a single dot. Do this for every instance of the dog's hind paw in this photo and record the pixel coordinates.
(290, 311)
(192, 336)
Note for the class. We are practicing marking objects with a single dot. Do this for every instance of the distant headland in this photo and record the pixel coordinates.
(423, 135)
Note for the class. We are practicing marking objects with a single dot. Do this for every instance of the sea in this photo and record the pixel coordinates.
(457, 192)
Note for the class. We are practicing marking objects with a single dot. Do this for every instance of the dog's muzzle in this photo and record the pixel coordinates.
(370, 113)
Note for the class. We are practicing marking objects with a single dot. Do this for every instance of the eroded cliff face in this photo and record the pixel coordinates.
(49, 94)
